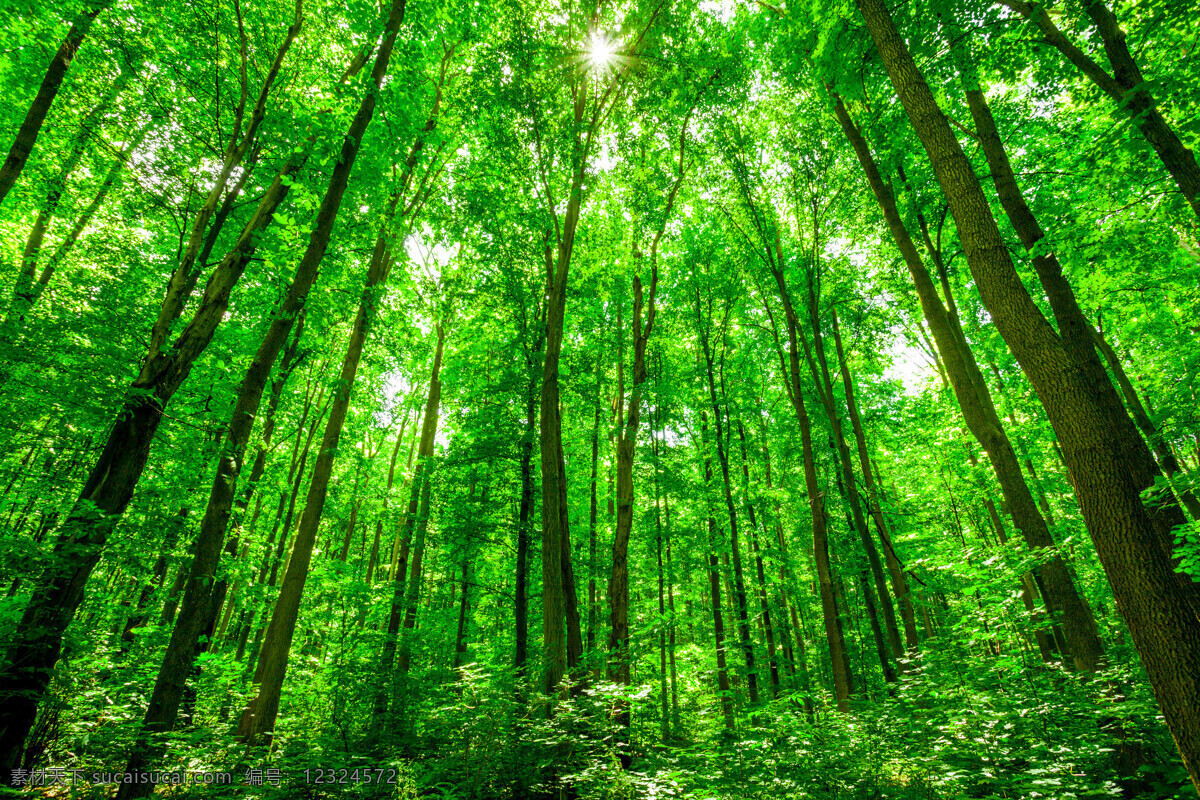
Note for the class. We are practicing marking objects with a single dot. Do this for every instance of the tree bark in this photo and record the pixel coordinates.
(27, 287)
(1075, 331)
(824, 382)
(202, 236)
(1163, 618)
(460, 636)
(204, 591)
(981, 418)
(110, 486)
(373, 561)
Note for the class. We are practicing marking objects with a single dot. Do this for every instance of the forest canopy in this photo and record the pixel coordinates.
(648, 398)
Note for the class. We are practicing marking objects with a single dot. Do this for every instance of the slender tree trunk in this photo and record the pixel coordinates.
(258, 719)
(204, 591)
(411, 522)
(159, 575)
(460, 637)
(291, 359)
(843, 681)
(739, 582)
(847, 483)
(792, 632)
(763, 605)
(26, 288)
(979, 413)
(553, 602)
(35, 118)
(891, 559)
(374, 558)
(412, 596)
(869, 592)
(112, 179)
(521, 595)
(659, 547)
(619, 670)
(724, 690)
(618, 588)
(593, 512)
(570, 593)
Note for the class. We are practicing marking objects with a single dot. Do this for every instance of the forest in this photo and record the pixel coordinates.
(695, 399)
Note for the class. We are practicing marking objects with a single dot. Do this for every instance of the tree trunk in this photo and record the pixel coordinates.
(618, 587)
(664, 712)
(111, 484)
(763, 605)
(593, 515)
(891, 559)
(843, 681)
(1163, 618)
(111, 180)
(521, 595)
(204, 591)
(1166, 459)
(1075, 331)
(979, 413)
(373, 561)
(411, 521)
(460, 637)
(412, 597)
(724, 690)
(27, 287)
(258, 719)
(857, 520)
(27, 134)
(739, 581)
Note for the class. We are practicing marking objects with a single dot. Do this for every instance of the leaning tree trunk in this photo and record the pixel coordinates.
(1167, 461)
(201, 593)
(27, 134)
(1075, 330)
(974, 399)
(26, 288)
(111, 180)
(824, 383)
(1163, 618)
(258, 718)
(1125, 85)
(110, 486)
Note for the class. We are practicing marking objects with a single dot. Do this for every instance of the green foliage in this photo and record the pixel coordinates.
(726, 110)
